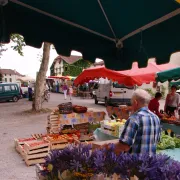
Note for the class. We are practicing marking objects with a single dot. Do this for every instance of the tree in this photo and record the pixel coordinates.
(19, 43)
(41, 77)
(2, 49)
(18, 40)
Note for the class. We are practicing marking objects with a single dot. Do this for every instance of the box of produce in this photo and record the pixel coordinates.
(112, 127)
(168, 142)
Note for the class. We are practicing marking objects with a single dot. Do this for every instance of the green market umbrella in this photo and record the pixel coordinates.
(117, 31)
(176, 83)
(168, 75)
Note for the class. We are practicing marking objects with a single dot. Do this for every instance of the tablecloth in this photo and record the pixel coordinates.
(173, 127)
(75, 118)
(173, 153)
(100, 136)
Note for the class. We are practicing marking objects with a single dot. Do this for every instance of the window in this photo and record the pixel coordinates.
(59, 70)
(5, 79)
(7, 88)
(13, 88)
(10, 79)
(1, 89)
(116, 85)
(65, 68)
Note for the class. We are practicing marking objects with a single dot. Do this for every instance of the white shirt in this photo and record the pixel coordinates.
(173, 100)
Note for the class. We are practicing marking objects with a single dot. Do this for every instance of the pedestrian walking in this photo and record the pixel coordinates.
(65, 88)
(70, 92)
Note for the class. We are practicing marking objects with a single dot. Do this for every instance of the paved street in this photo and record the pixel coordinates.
(16, 124)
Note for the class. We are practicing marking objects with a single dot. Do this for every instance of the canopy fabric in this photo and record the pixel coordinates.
(168, 75)
(69, 77)
(176, 83)
(102, 72)
(26, 79)
(55, 77)
(117, 31)
(62, 77)
(147, 74)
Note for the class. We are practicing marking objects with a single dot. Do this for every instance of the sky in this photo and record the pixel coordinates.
(29, 63)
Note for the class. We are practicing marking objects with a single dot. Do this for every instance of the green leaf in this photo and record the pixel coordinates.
(19, 43)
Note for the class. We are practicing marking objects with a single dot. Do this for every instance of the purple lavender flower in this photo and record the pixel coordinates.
(81, 159)
(76, 165)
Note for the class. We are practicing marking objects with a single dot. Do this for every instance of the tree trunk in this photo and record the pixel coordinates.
(41, 77)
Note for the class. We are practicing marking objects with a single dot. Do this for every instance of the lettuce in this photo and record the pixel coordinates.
(168, 142)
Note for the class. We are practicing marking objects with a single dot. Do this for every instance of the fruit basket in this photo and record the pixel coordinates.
(65, 108)
(79, 109)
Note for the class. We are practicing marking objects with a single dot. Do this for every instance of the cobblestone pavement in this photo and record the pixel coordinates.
(15, 124)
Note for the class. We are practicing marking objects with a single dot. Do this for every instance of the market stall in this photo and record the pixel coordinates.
(72, 131)
(170, 123)
(134, 76)
(147, 74)
(103, 72)
(56, 82)
(66, 125)
(168, 75)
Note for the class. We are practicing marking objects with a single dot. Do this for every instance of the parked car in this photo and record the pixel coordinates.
(9, 91)
(113, 93)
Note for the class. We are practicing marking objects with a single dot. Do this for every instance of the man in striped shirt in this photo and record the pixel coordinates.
(142, 130)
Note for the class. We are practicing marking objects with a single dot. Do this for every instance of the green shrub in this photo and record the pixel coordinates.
(150, 91)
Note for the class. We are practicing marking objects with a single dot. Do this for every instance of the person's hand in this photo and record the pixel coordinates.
(117, 149)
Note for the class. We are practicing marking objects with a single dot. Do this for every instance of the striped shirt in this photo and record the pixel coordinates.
(142, 131)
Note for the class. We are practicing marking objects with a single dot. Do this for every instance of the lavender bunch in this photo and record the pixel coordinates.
(57, 161)
(105, 161)
(83, 163)
(170, 170)
(73, 158)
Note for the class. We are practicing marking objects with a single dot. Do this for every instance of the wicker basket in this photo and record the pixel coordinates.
(79, 109)
(65, 108)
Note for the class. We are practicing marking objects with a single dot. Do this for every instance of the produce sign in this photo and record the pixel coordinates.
(168, 142)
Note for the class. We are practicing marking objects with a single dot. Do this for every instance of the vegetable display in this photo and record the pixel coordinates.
(168, 142)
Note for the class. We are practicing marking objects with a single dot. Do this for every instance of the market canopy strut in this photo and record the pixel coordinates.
(119, 32)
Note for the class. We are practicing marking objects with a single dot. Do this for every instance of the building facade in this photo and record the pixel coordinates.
(9, 75)
(68, 66)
